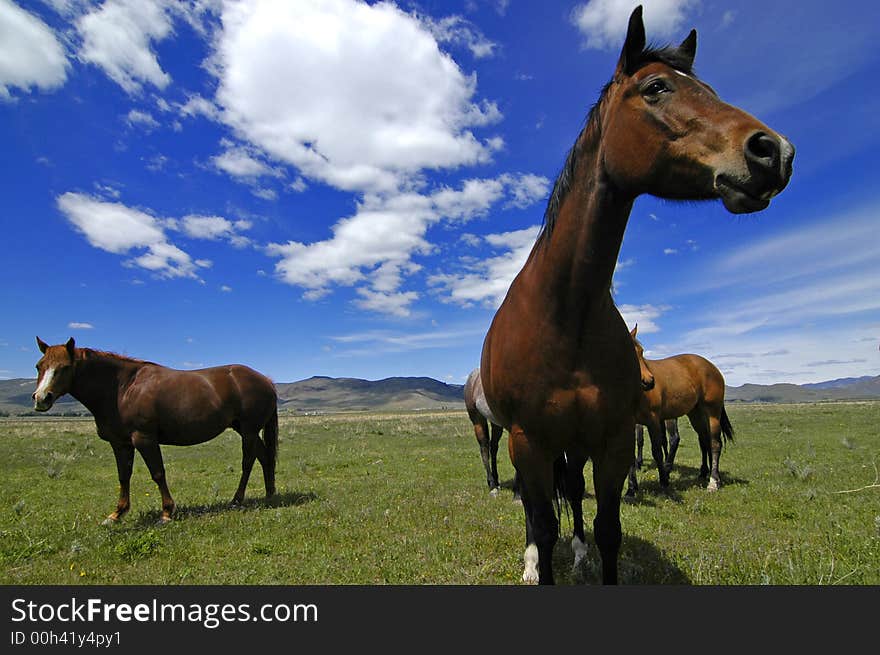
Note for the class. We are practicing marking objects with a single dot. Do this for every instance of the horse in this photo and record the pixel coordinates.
(558, 368)
(483, 421)
(139, 405)
(682, 385)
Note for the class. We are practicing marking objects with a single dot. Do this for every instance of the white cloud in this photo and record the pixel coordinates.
(214, 228)
(458, 30)
(375, 246)
(244, 163)
(30, 54)
(121, 230)
(604, 22)
(141, 118)
(358, 96)
(196, 105)
(118, 37)
(645, 316)
(392, 303)
(486, 281)
(80, 326)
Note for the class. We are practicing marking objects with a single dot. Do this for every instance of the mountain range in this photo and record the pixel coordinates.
(325, 394)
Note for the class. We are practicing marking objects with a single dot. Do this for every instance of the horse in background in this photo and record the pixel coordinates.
(682, 385)
(558, 367)
(138, 405)
(486, 430)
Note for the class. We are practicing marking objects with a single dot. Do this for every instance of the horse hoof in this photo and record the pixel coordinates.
(163, 520)
(713, 485)
(495, 491)
(109, 521)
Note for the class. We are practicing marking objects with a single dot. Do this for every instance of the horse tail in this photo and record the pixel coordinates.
(270, 439)
(726, 427)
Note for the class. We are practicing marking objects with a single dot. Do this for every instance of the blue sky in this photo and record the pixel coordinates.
(340, 188)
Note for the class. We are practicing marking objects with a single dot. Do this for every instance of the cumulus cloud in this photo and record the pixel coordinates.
(144, 119)
(375, 246)
(121, 230)
(30, 54)
(118, 36)
(243, 163)
(460, 31)
(603, 22)
(486, 281)
(358, 96)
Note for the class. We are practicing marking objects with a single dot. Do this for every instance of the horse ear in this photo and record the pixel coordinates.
(633, 332)
(42, 345)
(71, 347)
(688, 47)
(634, 43)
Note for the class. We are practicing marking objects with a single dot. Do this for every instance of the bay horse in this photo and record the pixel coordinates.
(558, 368)
(682, 385)
(138, 405)
(486, 429)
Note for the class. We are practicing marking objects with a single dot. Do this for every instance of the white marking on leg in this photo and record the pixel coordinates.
(530, 574)
(713, 485)
(580, 550)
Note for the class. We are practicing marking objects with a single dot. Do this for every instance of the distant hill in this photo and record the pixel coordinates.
(863, 388)
(325, 394)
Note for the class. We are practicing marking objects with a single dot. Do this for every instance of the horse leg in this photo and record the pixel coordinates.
(658, 436)
(124, 454)
(701, 427)
(481, 432)
(640, 444)
(574, 491)
(609, 471)
(494, 438)
(148, 447)
(632, 486)
(535, 473)
(674, 440)
(250, 443)
(715, 449)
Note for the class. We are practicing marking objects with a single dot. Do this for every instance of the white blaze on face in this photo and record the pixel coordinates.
(530, 574)
(44, 386)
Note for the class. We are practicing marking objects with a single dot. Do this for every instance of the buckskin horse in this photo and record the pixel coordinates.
(139, 405)
(558, 367)
(682, 385)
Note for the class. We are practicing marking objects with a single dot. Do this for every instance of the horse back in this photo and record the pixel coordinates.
(685, 380)
(194, 406)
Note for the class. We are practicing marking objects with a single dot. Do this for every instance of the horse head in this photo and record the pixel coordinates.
(54, 373)
(644, 372)
(667, 133)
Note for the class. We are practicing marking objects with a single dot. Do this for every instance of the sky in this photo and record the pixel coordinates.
(341, 188)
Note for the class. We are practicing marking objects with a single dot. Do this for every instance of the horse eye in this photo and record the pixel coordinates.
(654, 89)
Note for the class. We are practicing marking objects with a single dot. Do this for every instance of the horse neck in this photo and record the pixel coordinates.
(576, 259)
(98, 378)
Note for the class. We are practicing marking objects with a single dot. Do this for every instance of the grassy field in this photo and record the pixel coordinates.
(401, 499)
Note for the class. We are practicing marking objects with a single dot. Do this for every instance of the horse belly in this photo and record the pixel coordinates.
(192, 417)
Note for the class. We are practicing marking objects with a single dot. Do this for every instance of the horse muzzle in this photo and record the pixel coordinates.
(44, 403)
(768, 159)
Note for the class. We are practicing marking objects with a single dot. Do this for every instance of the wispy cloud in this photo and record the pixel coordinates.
(80, 326)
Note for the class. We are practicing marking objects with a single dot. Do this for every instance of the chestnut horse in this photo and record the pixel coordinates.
(487, 431)
(558, 367)
(682, 385)
(139, 405)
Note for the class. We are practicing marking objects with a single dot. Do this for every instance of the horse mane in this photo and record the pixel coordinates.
(673, 57)
(91, 353)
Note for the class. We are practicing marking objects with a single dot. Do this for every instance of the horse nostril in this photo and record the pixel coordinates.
(763, 149)
(49, 396)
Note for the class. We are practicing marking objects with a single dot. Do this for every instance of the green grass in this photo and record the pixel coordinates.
(401, 499)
